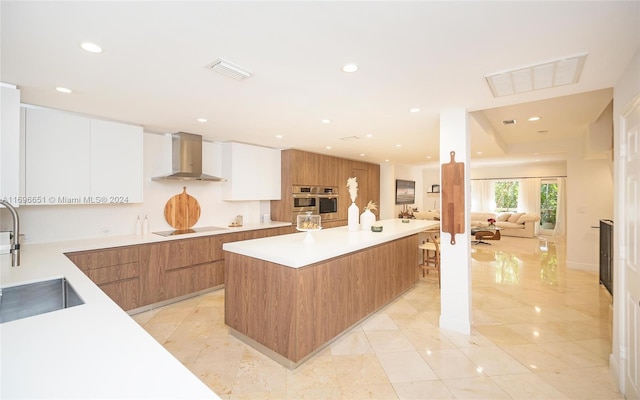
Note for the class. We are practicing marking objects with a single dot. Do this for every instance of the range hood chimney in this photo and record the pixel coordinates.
(186, 160)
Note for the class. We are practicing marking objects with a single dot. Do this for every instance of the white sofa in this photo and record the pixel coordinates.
(510, 224)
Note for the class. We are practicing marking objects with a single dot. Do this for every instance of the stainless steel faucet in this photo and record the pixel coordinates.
(15, 239)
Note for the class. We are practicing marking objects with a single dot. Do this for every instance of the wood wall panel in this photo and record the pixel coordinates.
(296, 311)
(306, 168)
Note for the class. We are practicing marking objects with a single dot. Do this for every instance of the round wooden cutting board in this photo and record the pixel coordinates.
(182, 211)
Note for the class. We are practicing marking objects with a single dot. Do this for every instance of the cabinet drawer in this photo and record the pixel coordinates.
(114, 273)
(93, 259)
(126, 294)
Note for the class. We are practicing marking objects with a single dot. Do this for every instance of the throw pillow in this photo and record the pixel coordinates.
(503, 217)
(515, 217)
(527, 218)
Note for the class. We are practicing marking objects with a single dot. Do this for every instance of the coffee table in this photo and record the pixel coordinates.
(484, 232)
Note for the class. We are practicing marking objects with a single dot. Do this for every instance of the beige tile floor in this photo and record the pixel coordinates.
(540, 331)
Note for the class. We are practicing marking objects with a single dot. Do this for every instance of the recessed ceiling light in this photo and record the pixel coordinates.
(428, 156)
(326, 121)
(534, 119)
(64, 89)
(361, 154)
(328, 147)
(369, 135)
(201, 120)
(478, 152)
(414, 110)
(91, 47)
(398, 145)
(387, 160)
(278, 136)
(350, 68)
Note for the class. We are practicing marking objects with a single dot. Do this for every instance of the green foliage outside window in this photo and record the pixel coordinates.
(548, 204)
(506, 196)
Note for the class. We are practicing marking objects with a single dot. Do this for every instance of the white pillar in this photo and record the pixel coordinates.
(455, 269)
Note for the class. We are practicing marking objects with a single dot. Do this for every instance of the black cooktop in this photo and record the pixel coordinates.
(190, 230)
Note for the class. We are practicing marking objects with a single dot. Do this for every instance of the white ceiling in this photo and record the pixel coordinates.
(431, 55)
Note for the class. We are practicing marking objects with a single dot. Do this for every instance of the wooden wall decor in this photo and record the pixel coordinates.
(452, 181)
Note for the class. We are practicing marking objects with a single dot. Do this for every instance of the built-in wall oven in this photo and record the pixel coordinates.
(318, 200)
(328, 203)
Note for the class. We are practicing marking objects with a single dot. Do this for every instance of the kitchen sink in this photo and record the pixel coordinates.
(36, 298)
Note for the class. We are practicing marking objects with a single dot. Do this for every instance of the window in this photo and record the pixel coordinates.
(506, 195)
(548, 204)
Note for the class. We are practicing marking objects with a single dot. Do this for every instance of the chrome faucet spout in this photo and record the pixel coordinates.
(15, 239)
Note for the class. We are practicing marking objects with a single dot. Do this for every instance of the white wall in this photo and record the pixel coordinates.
(589, 199)
(389, 172)
(66, 222)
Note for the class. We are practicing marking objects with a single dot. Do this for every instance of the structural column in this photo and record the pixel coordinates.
(455, 293)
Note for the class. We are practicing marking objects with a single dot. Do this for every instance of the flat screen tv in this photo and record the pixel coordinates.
(405, 192)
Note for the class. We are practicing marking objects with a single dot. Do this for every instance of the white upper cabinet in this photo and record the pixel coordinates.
(252, 172)
(116, 161)
(73, 159)
(56, 156)
(10, 143)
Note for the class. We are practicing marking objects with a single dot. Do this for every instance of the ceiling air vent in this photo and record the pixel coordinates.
(348, 138)
(509, 122)
(229, 69)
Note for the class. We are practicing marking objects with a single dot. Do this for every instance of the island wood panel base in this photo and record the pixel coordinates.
(294, 312)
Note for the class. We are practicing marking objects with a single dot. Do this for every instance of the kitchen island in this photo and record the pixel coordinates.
(290, 299)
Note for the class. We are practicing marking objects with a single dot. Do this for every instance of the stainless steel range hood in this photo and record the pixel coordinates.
(186, 159)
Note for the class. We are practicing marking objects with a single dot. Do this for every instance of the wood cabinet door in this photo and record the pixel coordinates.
(304, 168)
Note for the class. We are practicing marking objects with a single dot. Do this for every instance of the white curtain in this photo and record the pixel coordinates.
(561, 211)
(529, 197)
(483, 198)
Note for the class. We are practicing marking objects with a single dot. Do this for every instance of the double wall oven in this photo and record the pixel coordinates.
(319, 200)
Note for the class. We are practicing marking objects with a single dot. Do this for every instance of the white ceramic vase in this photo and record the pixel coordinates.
(353, 217)
(367, 218)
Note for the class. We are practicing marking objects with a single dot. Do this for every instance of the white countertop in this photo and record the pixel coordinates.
(94, 350)
(291, 251)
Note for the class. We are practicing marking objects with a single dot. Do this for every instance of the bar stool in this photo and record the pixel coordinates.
(431, 261)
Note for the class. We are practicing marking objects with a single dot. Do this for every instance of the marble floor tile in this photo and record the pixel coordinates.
(389, 341)
(451, 363)
(420, 390)
(494, 361)
(379, 322)
(353, 342)
(406, 366)
(527, 386)
(540, 331)
(481, 387)
(362, 369)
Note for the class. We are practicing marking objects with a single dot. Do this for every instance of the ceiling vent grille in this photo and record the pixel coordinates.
(229, 69)
(561, 72)
(348, 138)
(509, 122)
